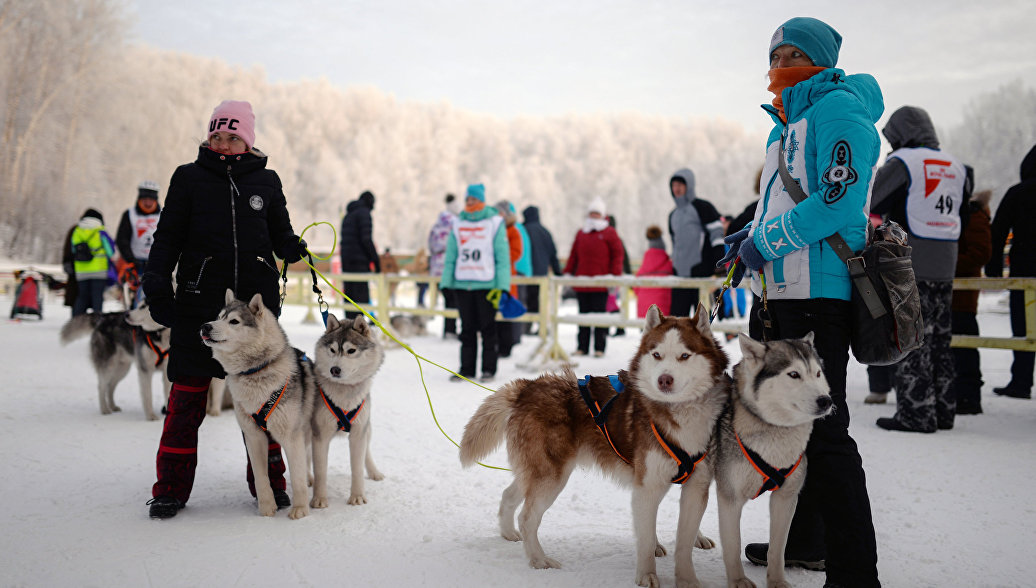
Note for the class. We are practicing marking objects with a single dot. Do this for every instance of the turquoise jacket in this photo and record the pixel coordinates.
(524, 264)
(501, 257)
(831, 149)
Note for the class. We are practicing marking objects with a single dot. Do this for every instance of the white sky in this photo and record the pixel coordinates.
(659, 57)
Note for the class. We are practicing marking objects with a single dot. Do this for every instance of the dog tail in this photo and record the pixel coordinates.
(79, 327)
(487, 426)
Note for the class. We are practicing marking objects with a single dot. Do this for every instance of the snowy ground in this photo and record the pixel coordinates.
(950, 509)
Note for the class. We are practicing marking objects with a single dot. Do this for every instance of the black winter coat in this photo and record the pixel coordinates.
(224, 217)
(1017, 213)
(356, 241)
(544, 253)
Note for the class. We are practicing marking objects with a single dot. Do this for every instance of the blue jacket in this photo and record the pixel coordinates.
(831, 148)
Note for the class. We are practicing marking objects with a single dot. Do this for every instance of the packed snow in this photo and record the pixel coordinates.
(950, 509)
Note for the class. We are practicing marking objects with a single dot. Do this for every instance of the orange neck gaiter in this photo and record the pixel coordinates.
(475, 207)
(786, 77)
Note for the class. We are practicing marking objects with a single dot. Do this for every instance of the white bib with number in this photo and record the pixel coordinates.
(476, 261)
(936, 192)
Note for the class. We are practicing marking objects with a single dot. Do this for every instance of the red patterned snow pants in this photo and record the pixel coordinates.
(178, 449)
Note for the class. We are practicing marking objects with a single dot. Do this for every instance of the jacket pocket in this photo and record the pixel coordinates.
(190, 277)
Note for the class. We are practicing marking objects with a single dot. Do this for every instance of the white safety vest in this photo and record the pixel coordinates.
(143, 227)
(936, 192)
(476, 260)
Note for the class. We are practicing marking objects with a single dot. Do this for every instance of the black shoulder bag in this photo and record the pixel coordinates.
(887, 323)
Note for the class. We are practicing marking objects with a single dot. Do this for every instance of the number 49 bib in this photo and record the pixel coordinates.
(475, 255)
(936, 192)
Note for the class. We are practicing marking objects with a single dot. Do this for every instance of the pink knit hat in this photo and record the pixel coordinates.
(234, 116)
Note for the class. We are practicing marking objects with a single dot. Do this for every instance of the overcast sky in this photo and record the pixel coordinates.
(660, 57)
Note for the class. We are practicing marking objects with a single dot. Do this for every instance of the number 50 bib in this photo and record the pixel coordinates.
(936, 192)
(476, 261)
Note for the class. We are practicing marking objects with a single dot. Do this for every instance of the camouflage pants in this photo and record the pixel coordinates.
(923, 380)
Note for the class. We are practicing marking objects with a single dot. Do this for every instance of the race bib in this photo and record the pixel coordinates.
(476, 261)
(936, 193)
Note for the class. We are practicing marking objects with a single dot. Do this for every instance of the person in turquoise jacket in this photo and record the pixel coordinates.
(824, 119)
(478, 261)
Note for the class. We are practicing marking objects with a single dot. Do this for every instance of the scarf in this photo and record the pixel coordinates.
(786, 77)
(474, 207)
(594, 224)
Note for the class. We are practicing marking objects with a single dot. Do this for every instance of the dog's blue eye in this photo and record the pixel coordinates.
(794, 376)
(657, 356)
(685, 356)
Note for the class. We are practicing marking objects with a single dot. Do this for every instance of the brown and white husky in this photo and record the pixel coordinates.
(648, 427)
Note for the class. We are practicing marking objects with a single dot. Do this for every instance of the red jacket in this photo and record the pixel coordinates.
(595, 254)
(656, 263)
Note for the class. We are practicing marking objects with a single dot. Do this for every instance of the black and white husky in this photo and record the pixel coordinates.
(345, 361)
(273, 390)
(119, 340)
(778, 391)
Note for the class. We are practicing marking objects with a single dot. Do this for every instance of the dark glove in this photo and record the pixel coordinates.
(163, 309)
(297, 251)
(734, 242)
(750, 255)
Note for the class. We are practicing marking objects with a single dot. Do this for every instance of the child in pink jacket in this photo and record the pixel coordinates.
(656, 263)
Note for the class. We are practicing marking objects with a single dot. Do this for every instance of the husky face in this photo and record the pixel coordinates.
(141, 317)
(678, 360)
(243, 334)
(782, 382)
(347, 353)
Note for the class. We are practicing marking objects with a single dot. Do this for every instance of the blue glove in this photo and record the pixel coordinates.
(750, 255)
(734, 242)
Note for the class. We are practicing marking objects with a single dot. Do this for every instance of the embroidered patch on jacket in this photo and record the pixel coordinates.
(841, 174)
(256, 202)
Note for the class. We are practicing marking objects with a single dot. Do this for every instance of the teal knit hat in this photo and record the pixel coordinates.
(477, 191)
(816, 38)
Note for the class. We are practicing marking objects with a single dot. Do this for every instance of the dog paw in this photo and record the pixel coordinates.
(695, 583)
(319, 502)
(151, 417)
(356, 499)
(212, 412)
(297, 512)
(649, 579)
(660, 550)
(546, 563)
(268, 510)
(778, 584)
(376, 476)
(511, 535)
(116, 409)
(703, 542)
(740, 583)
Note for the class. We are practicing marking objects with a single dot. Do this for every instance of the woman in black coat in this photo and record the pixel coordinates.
(225, 217)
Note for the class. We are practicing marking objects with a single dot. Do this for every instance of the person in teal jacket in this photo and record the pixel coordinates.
(825, 121)
(478, 261)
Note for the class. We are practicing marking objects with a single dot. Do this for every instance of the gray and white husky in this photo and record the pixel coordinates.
(273, 390)
(779, 390)
(346, 358)
(119, 340)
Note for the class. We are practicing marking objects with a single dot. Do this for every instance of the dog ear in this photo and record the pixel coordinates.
(229, 297)
(332, 323)
(701, 319)
(808, 338)
(360, 325)
(256, 304)
(653, 318)
(750, 347)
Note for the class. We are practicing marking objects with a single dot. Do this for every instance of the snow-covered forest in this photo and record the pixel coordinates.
(87, 115)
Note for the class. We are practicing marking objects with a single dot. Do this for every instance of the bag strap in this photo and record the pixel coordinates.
(853, 262)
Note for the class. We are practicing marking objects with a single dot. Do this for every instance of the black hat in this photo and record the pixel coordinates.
(368, 199)
(93, 213)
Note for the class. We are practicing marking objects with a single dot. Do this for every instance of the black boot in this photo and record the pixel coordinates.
(164, 507)
(756, 553)
(281, 498)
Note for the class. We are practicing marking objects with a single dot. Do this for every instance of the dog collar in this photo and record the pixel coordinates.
(685, 463)
(773, 478)
(251, 371)
(345, 419)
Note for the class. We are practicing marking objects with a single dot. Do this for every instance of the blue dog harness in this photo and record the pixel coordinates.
(345, 419)
(685, 463)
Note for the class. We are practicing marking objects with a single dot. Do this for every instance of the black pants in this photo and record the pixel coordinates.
(477, 316)
(685, 301)
(592, 302)
(450, 324)
(967, 385)
(359, 292)
(880, 378)
(833, 516)
(1021, 368)
(91, 296)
